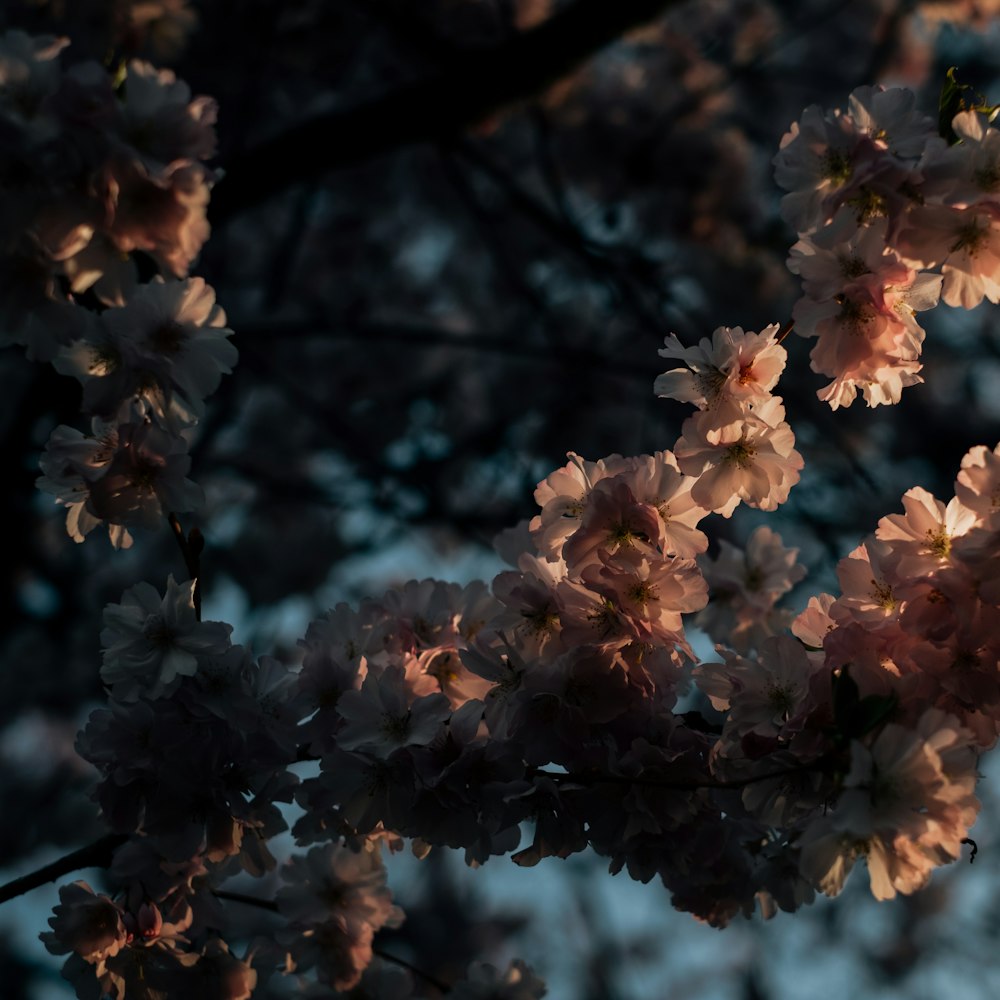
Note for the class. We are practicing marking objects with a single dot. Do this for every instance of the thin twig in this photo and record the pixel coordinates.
(191, 547)
(241, 897)
(473, 85)
(425, 976)
(680, 786)
(421, 335)
(272, 907)
(99, 854)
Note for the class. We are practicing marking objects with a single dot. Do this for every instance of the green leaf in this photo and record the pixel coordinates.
(950, 104)
(846, 698)
(854, 716)
(873, 711)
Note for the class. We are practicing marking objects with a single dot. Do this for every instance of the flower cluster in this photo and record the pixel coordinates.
(133, 949)
(103, 181)
(902, 668)
(745, 586)
(194, 744)
(738, 445)
(335, 901)
(879, 199)
(96, 168)
(456, 716)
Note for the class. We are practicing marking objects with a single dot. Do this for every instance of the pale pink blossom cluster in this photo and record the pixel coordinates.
(145, 366)
(745, 586)
(904, 667)
(856, 737)
(127, 948)
(451, 717)
(882, 203)
(738, 445)
(98, 166)
(463, 717)
(104, 179)
(335, 901)
(193, 746)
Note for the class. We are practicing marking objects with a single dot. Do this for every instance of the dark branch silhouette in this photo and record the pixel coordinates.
(474, 85)
(95, 855)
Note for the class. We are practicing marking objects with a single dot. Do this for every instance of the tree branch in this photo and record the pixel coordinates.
(604, 778)
(474, 85)
(95, 855)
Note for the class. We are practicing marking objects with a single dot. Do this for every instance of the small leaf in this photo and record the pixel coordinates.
(950, 104)
(846, 697)
(873, 711)
(854, 716)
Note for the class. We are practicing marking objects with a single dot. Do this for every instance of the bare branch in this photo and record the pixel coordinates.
(474, 85)
(96, 855)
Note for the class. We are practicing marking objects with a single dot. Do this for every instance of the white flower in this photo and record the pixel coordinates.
(161, 121)
(150, 642)
(145, 478)
(335, 901)
(734, 366)
(70, 463)
(750, 457)
(85, 923)
(381, 719)
(907, 805)
(167, 345)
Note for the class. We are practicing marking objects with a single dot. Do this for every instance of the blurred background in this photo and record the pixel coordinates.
(449, 258)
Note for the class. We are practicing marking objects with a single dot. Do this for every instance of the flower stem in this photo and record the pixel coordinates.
(191, 546)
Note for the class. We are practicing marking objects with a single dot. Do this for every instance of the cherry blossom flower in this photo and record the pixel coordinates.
(159, 119)
(906, 807)
(150, 642)
(889, 116)
(162, 214)
(144, 480)
(529, 596)
(816, 159)
(734, 366)
(85, 923)
(70, 462)
(965, 242)
(29, 74)
(563, 497)
(614, 522)
(652, 594)
(167, 345)
(657, 480)
(760, 693)
(868, 337)
(381, 718)
(757, 575)
(867, 579)
(978, 484)
(812, 625)
(864, 158)
(838, 254)
(335, 901)
(968, 172)
(921, 539)
(749, 458)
